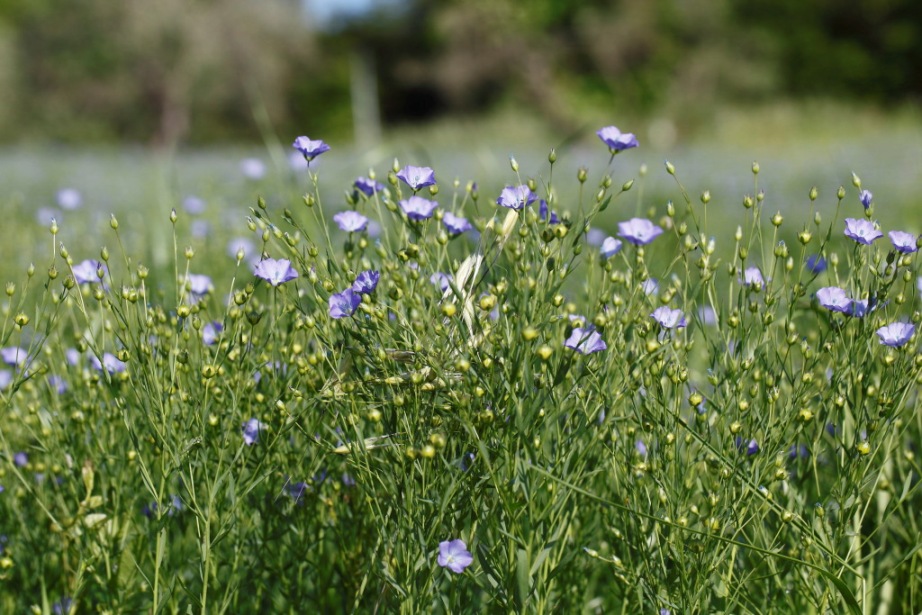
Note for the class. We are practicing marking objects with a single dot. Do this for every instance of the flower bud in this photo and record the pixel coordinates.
(173, 216)
(552, 156)
(856, 181)
(813, 193)
(777, 219)
(840, 193)
(513, 164)
(755, 168)
(113, 222)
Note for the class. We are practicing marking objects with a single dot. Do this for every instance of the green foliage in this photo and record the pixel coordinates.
(624, 478)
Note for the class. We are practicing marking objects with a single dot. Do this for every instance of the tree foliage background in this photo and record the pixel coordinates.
(191, 71)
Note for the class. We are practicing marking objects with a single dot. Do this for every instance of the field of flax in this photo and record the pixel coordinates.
(424, 395)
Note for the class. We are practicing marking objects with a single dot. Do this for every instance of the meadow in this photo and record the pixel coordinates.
(596, 378)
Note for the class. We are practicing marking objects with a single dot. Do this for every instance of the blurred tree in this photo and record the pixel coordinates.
(177, 69)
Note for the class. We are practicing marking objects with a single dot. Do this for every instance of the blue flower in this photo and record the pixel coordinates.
(896, 334)
(367, 186)
(69, 198)
(86, 272)
(816, 263)
(639, 231)
(417, 208)
(610, 247)
(516, 197)
(310, 149)
(416, 177)
(455, 224)
(865, 197)
(344, 304)
(109, 363)
(442, 280)
(350, 221)
(616, 140)
(210, 332)
(862, 231)
(453, 554)
(251, 431)
(903, 242)
(753, 277)
(834, 299)
(545, 214)
(275, 271)
(585, 341)
(669, 318)
(366, 282)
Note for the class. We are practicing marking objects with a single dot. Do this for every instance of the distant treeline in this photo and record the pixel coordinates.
(176, 71)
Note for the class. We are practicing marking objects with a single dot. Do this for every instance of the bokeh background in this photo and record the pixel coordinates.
(138, 104)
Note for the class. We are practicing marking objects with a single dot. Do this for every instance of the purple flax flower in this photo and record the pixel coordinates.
(834, 299)
(585, 341)
(275, 271)
(253, 168)
(641, 448)
(610, 247)
(46, 215)
(442, 280)
(251, 431)
(860, 307)
(753, 277)
(650, 286)
(418, 208)
(72, 356)
(862, 231)
(865, 197)
(516, 197)
(310, 149)
(455, 224)
(64, 606)
(350, 221)
(85, 272)
(13, 355)
(417, 177)
(296, 490)
(545, 214)
(69, 199)
(639, 231)
(668, 318)
(816, 263)
(57, 384)
(193, 205)
(241, 245)
(595, 237)
(453, 554)
(896, 334)
(903, 242)
(706, 315)
(616, 140)
(199, 285)
(21, 459)
(798, 450)
(367, 186)
(366, 282)
(109, 363)
(344, 304)
(210, 332)
(752, 447)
